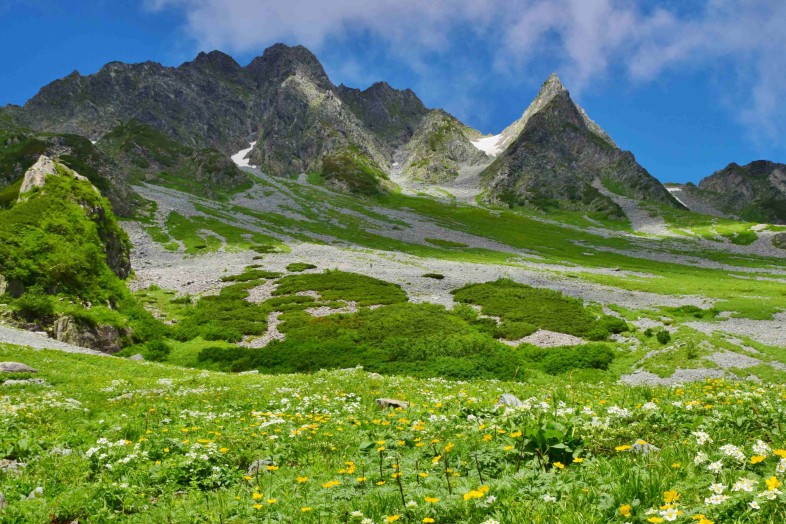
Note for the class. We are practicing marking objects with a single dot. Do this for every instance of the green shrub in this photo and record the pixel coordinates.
(34, 306)
(156, 350)
(542, 308)
(663, 336)
(297, 267)
(435, 276)
(555, 361)
(253, 274)
(340, 285)
(514, 330)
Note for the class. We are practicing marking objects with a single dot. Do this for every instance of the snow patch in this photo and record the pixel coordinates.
(240, 158)
(673, 190)
(491, 145)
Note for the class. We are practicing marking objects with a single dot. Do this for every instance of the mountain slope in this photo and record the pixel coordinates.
(756, 191)
(391, 114)
(556, 156)
(440, 149)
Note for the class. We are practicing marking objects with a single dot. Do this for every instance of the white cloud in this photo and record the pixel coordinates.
(586, 40)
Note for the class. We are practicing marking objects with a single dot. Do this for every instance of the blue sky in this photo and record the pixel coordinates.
(688, 90)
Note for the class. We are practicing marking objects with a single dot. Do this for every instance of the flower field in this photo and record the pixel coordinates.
(112, 440)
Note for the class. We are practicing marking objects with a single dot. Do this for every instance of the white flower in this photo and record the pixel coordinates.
(716, 499)
(650, 406)
(356, 514)
(781, 467)
(770, 494)
(715, 467)
(761, 448)
(754, 505)
(744, 485)
(700, 458)
(549, 498)
(491, 499)
(670, 514)
(490, 521)
(412, 504)
(367, 521)
(717, 488)
(701, 437)
(733, 451)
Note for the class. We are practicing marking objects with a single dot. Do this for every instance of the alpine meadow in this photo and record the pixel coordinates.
(242, 293)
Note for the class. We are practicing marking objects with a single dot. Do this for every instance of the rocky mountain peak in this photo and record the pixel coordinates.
(281, 61)
(215, 61)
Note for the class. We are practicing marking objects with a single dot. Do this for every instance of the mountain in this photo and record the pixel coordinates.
(554, 153)
(755, 192)
(441, 149)
(284, 98)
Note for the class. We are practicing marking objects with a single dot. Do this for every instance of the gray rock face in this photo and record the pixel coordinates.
(756, 191)
(103, 338)
(390, 114)
(557, 154)
(16, 367)
(260, 466)
(440, 148)
(35, 177)
(138, 357)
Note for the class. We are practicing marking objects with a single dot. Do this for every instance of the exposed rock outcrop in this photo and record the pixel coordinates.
(16, 367)
(102, 338)
(35, 177)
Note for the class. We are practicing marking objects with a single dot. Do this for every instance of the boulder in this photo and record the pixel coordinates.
(508, 400)
(12, 382)
(36, 493)
(3, 502)
(779, 240)
(104, 338)
(137, 357)
(16, 367)
(260, 466)
(11, 466)
(383, 403)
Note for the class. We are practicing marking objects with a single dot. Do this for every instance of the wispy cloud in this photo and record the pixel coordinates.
(587, 40)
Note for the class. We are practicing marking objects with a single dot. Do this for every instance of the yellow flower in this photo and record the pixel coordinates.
(423, 474)
(510, 448)
(428, 519)
(331, 484)
(392, 518)
(361, 479)
(449, 447)
(654, 519)
(436, 459)
(487, 437)
(301, 480)
(780, 453)
(257, 506)
(166, 450)
(676, 465)
(624, 447)
(483, 489)
(381, 483)
(755, 459)
(247, 477)
(516, 434)
(559, 465)
(272, 501)
(223, 450)
(257, 496)
(431, 500)
(772, 483)
(270, 468)
(305, 509)
(625, 510)
(670, 496)
(578, 460)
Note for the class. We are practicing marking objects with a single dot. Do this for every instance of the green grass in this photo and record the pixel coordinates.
(183, 441)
